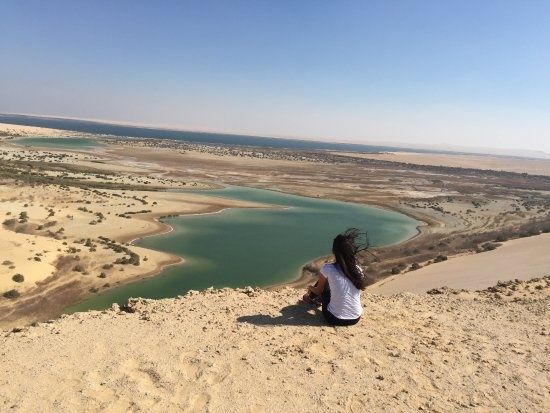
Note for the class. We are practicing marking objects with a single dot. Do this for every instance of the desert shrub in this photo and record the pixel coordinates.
(490, 246)
(18, 278)
(7, 262)
(440, 258)
(122, 261)
(12, 294)
(23, 217)
(415, 266)
(107, 266)
(49, 224)
(395, 270)
(78, 268)
(102, 275)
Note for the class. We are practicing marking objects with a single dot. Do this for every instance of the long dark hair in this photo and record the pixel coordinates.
(345, 248)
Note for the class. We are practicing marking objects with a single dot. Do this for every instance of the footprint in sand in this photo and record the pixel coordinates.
(198, 370)
(198, 403)
(146, 378)
(355, 405)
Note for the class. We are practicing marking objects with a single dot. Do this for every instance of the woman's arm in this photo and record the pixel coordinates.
(318, 288)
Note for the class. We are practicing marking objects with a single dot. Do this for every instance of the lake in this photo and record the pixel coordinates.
(59, 143)
(257, 247)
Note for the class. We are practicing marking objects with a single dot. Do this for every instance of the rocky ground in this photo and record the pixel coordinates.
(254, 350)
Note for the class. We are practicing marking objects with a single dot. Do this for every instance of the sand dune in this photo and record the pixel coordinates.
(259, 351)
(494, 162)
(17, 130)
(522, 258)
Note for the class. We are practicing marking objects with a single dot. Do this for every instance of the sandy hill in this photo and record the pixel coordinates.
(259, 351)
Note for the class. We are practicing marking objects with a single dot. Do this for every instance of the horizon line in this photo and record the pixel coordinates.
(478, 150)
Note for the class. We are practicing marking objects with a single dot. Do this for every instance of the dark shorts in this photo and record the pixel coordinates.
(331, 318)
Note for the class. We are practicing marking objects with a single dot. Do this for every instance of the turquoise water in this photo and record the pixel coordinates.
(59, 143)
(257, 247)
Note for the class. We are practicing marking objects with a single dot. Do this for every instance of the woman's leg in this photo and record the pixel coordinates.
(335, 321)
(325, 298)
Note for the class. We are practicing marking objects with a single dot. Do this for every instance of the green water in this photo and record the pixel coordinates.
(59, 143)
(257, 247)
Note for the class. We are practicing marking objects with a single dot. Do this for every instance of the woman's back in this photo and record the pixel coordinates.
(345, 298)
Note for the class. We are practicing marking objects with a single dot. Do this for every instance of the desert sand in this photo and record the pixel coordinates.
(258, 351)
(9, 129)
(523, 258)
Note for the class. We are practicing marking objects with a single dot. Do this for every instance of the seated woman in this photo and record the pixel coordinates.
(340, 282)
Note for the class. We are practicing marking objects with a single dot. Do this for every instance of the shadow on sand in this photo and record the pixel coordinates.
(291, 315)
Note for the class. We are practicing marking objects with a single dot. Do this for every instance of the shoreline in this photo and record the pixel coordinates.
(300, 281)
(163, 228)
(303, 279)
(48, 298)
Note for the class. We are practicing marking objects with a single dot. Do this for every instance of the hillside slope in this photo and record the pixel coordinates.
(259, 351)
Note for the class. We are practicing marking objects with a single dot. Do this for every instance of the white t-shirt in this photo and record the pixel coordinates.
(345, 300)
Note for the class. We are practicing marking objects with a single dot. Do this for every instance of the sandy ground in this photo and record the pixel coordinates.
(522, 258)
(497, 163)
(259, 351)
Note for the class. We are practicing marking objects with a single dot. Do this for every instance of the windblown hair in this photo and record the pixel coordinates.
(345, 248)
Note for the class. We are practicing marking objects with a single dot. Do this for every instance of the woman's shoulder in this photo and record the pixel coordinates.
(328, 268)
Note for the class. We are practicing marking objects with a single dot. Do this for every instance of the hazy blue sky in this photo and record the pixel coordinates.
(451, 72)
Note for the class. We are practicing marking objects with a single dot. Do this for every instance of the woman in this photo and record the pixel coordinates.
(341, 282)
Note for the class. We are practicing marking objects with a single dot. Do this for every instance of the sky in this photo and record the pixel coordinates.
(467, 73)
